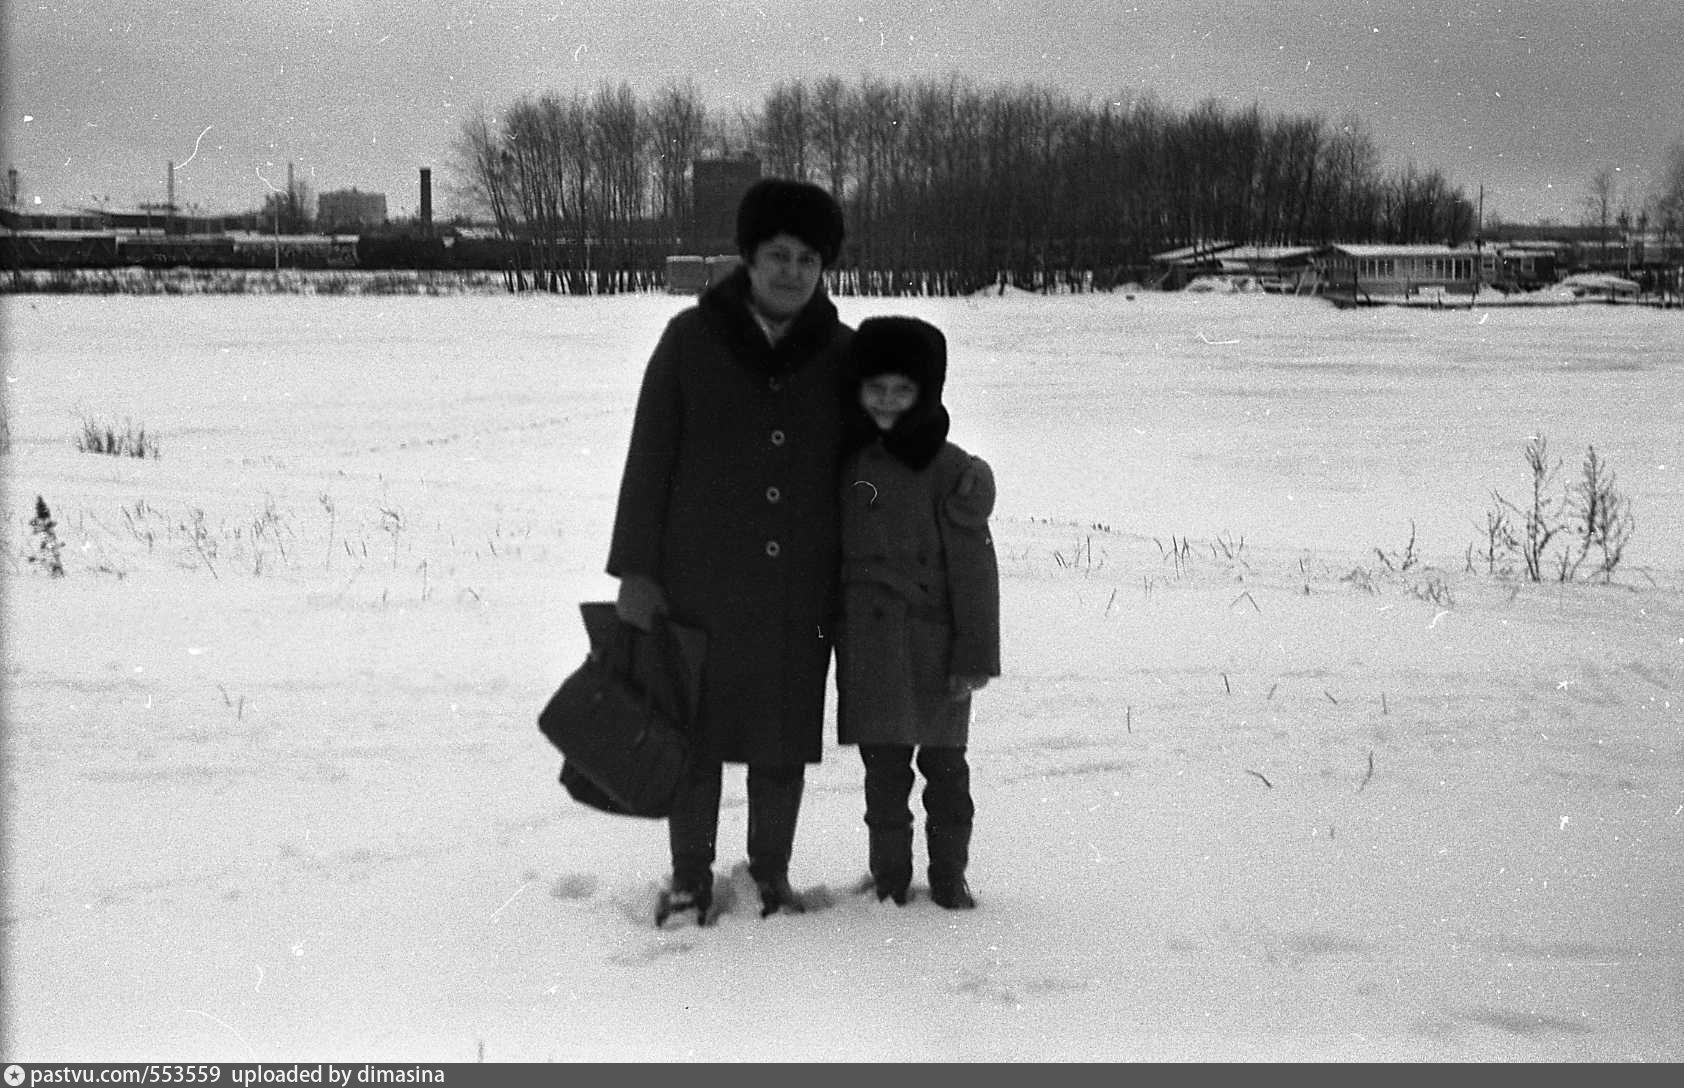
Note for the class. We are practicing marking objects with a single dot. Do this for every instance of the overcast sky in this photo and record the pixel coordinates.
(1529, 98)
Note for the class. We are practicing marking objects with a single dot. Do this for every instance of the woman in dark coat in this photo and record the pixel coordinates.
(727, 520)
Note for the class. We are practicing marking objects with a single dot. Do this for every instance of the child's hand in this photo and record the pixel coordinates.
(960, 687)
(972, 498)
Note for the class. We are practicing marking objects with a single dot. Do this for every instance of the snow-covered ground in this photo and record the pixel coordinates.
(274, 791)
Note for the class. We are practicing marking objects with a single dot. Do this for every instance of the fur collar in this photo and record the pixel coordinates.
(915, 440)
(726, 305)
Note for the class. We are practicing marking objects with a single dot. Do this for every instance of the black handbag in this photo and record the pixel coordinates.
(621, 720)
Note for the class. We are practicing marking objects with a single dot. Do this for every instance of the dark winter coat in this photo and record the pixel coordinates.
(920, 595)
(728, 501)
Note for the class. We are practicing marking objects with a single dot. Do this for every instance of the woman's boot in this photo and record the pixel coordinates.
(774, 803)
(684, 895)
(692, 827)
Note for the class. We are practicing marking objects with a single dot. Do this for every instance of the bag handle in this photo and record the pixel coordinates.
(661, 641)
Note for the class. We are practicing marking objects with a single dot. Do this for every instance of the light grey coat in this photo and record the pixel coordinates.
(920, 596)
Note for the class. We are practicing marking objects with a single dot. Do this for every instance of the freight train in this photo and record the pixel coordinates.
(443, 251)
(155, 249)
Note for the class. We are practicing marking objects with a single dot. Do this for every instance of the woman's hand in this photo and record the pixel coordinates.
(640, 601)
(960, 687)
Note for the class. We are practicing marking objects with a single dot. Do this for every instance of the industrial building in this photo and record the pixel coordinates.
(349, 209)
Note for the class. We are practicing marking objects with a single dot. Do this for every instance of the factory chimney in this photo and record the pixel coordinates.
(426, 200)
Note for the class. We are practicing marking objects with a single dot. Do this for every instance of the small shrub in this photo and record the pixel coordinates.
(1601, 519)
(1435, 590)
(1541, 520)
(1500, 542)
(1230, 548)
(391, 520)
(99, 437)
(47, 543)
(1407, 560)
(1593, 513)
(199, 535)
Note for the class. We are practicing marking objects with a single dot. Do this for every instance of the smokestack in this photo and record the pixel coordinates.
(427, 199)
(169, 198)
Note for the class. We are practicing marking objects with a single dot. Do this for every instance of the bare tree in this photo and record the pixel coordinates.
(1667, 207)
(1352, 169)
(617, 143)
(833, 134)
(478, 169)
(678, 131)
(1599, 204)
(877, 132)
(539, 152)
(783, 130)
(1669, 202)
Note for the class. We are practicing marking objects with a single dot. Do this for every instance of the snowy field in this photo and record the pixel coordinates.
(274, 792)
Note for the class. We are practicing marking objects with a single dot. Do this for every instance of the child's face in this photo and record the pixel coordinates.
(887, 397)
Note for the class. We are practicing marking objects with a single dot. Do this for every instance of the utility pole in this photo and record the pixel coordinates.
(12, 206)
(1479, 242)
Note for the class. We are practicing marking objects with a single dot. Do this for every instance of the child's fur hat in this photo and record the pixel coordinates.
(917, 349)
(900, 345)
(774, 206)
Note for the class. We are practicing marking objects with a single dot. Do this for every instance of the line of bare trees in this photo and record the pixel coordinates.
(1663, 209)
(946, 185)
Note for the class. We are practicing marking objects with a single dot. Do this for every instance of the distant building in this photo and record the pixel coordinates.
(717, 187)
(1173, 269)
(1369, 272)
(686, 275)
(349, 209)
(1528, 265)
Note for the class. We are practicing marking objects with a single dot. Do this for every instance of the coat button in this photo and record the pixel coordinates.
(778, 438)
(773, 494)
(773, 548)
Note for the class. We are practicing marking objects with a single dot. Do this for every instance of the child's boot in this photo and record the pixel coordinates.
(947, 832)
(776, 895)
(888, 783)
(947, 802)
(949, 853)
(952, 893)
(891, 863)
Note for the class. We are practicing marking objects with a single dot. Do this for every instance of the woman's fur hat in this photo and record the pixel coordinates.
(774, 206)
(917, 349)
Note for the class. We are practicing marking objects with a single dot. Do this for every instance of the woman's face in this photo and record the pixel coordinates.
(783, 275)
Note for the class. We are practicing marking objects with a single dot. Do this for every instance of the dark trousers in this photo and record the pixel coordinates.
(774, 802)
(948, 810)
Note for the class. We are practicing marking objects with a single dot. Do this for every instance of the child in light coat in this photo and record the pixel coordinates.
(920, 624)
